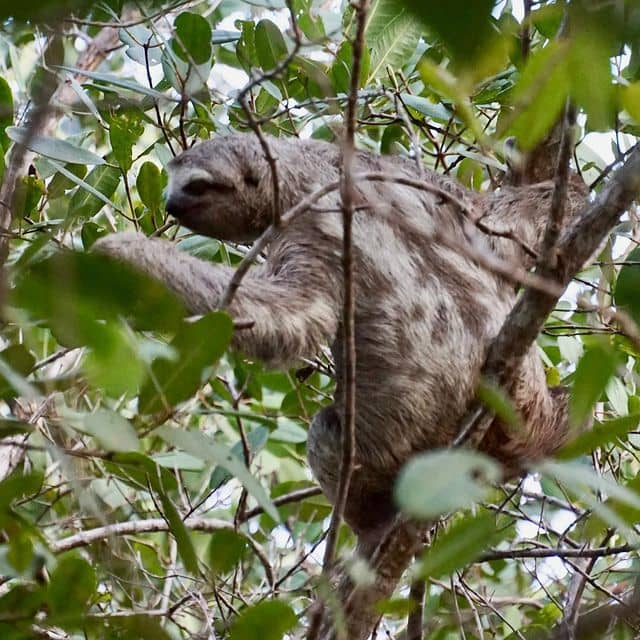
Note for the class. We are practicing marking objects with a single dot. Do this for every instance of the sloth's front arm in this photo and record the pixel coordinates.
(294, 307)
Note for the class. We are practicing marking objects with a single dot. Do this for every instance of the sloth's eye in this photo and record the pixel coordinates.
(200, 186)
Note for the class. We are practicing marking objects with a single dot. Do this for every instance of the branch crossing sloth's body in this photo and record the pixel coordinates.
(425, 314)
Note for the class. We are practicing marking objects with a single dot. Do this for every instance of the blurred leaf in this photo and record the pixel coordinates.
(15, 487)
(464, 27)
(21, 361)
(140, 471)
(595, 368)
(6, 113)
(589, 487)
(256, 439)
(289, 431)
(631, 100)
(459, 545)
(198, 346)
(539, 95)
(53, 148)
(112, 431)
(90, 287)
(494, 398)
(601, 434)
(226, 549)
(437, 482)
(179, 531)
(628, 285)
(193, 37)
(72, 585)
(204, 448)
(589, 67)
(267, 620)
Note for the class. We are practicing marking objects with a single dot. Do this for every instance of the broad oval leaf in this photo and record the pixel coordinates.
(111, 430)
(267, 620)
(73, 583)
(198, 346)
(271, 48)
(193, 37)
(440, 481)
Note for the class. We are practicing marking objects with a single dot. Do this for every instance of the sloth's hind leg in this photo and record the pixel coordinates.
(369, 508)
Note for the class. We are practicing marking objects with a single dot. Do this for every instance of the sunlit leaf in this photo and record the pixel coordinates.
(440, 481)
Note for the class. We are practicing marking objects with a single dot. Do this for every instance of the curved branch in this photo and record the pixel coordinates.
(155, 525)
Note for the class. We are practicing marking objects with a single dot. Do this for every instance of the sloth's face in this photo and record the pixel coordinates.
(211, 193)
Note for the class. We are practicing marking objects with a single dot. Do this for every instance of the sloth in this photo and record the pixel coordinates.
(425, 311)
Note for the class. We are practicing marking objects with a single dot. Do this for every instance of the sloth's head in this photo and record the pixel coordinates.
(222, 188)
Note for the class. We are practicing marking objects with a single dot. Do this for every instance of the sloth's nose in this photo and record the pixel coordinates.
(176, 206)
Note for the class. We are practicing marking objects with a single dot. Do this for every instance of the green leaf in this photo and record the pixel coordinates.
(289, 431)
(226, 549)
(124, 131)
(427, 108)
(589, 487)
(595, 368)
(140, 471)
(6, 113)
(459, 545)
(16, 487)
(193, 37)
(204, 448)
(627, 289)
(180, 532)
(603, 433)
(589, 67)
(102, 182)
(495, 399)
(91, 287)
(111, 430)
(53, 148)
(59, 184)
(392, 35)
(630, 96)
(256, 438)
(21, 361)
(270, 45)
(539, 96)
(465, 27)
(116, 81)
(198, 346)
(149, 185)
(440, 481)
(72, 585)
(267, 620)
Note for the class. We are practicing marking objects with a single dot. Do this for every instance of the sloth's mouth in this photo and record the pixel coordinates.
(181, 209)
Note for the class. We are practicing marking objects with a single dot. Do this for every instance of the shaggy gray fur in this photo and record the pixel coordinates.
(425, 314)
